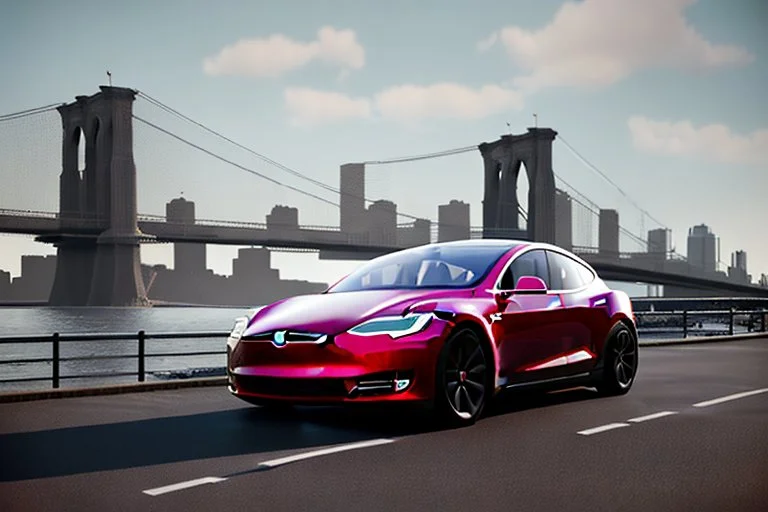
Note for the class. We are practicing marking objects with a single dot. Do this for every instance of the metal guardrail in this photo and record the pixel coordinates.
(754, 318)
(669, 320)
(141, 356)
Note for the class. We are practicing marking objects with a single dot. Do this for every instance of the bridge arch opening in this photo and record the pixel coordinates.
(78, 140)
(523, 190)
(91, 157)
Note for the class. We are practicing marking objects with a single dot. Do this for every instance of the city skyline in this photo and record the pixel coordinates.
(623, 122)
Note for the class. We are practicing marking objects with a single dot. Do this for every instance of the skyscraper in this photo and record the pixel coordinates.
(608, 234)
(187, 258)
(738, 269)
(453, 221)
(563, 220)
(382, 222)
(352, 218)
(702, 248)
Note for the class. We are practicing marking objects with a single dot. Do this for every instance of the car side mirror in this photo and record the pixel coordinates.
(502, 297)
(530, 285)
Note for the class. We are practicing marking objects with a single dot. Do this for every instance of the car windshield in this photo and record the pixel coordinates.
(428, 266)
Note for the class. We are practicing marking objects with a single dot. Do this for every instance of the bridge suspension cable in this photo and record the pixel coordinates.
(235, 164)
(594, 168)
(254, 172)
(425, 156)
(29, 112)
(272, 162)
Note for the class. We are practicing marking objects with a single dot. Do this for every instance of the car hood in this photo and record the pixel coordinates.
(332, 313)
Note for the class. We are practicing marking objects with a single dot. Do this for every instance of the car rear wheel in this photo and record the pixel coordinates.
(620, 365)
(461, 387)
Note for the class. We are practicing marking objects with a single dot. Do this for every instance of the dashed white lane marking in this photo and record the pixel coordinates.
(325, 451)
(184, 485)
(728, 398)
(269, 464)
(654, 416)
(602, 428)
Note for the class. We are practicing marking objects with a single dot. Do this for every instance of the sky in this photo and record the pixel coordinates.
(664, 97)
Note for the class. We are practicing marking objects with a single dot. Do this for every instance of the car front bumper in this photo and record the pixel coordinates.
(345, 368)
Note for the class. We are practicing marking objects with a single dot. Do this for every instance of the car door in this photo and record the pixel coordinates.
(529, 327)
(570, 279)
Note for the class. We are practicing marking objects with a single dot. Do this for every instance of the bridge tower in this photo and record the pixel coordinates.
(502, 160)
(98, 261)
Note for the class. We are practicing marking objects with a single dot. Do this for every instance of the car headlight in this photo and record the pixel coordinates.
(241, 324)
(239, 328)
(395, 326)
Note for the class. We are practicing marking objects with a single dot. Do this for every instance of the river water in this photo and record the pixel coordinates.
(44, 321)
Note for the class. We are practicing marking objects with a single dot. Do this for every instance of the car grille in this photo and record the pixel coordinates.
(290, 337)
(328, 387)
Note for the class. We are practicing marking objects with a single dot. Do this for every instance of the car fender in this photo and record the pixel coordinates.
(476, 311)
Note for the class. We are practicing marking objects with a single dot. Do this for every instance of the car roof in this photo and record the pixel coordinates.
(483, 242)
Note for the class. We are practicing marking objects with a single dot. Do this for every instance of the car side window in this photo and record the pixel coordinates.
(567, 273)
(532, 263)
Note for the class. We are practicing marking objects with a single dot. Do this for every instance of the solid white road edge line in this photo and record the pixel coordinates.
(654, 416)
(270, 464)
(184, 485)
(602, 428)
(728, 398)
(326, 451)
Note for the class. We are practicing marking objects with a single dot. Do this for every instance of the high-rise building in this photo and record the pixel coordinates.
(416, 234)
(253, 264)
(563, 220)
(738, 269)
(453, 221)
(382, 222)
(763, 280)
(352, 218)
(608, 234)
(739, 260)
(659, 242)
(187, 258)
(702, 248)
(283, 217)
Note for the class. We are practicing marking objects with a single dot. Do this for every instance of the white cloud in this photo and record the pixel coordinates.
(310, 107)
(403, 103)
(444, 101)
(278, 54)
(712, 141)
(600, 42)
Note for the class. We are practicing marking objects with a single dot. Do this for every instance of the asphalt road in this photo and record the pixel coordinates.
(664, 446)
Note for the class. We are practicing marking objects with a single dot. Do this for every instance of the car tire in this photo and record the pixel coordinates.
(462, 382)
(620, 362)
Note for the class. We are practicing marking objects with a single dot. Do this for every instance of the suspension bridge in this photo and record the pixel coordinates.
(103, 146)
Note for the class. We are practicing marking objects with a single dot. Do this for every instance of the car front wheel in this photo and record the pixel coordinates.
(462, 383)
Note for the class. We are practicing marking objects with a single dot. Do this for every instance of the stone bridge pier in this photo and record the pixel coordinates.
(98, 259)
(502, 161)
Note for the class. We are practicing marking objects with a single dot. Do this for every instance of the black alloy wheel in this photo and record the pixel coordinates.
(462, 387)
(621, 358)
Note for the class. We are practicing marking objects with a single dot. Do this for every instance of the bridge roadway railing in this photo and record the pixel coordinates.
(613, 264)
(652, 325)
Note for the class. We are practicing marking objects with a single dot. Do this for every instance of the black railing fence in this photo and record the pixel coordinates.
(55, 360)
(701, 322)
(651, 324)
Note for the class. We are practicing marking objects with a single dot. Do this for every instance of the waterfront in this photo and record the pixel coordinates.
(44, 321)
